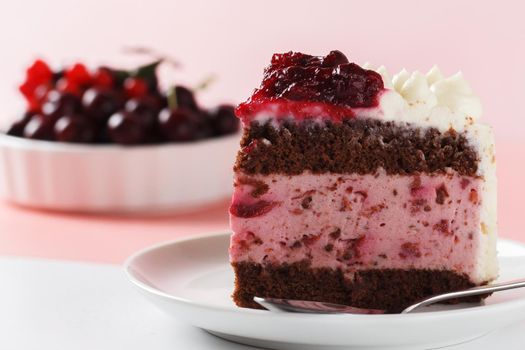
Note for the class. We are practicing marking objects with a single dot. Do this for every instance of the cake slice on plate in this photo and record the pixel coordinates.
(356, 189)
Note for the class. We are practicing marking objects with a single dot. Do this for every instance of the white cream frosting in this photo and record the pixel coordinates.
(426, 100)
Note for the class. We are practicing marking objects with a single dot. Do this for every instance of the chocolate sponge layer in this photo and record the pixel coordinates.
(389, 289)
(352, 146)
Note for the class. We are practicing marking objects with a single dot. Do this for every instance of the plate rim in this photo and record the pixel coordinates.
(127, 267)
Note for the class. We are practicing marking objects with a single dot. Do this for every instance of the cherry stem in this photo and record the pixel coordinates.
(172, 98)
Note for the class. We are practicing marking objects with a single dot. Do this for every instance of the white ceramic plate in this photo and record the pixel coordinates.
(192, 280)
(114, 178)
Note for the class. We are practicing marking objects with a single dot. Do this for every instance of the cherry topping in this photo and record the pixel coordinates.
(330, 79)
(74, 128)
(334, 58)
(126, 128)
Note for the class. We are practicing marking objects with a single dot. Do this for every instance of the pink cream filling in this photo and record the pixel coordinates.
(354, 222)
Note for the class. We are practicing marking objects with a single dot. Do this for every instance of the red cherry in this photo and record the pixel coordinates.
(74, 128)
(78, 74)
(223, 119)
(100, 103)
(186, 98)
(39, 127)
(17, 127)
(146, 108)
(126, 128)
(135, 87)
(58, 104)
(182, 124)
(103, 77)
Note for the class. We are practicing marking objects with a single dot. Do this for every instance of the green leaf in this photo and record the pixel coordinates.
(120, 75)
(148, 71)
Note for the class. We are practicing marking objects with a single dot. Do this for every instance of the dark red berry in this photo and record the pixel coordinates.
(100, 103)
(135, 87)
(182, 124)
(74, 128)
(78, 74)
(185, 98)
(60, 103)
(146, 108)
(103, 77)
(223, 120)
(57, 75)
(39, 127)
(17, 127)
(334, 58)
(126, 128)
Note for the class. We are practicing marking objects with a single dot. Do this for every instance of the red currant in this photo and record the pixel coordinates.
(69, 86)
(39, 73)
(103, 77)
(78, 74)
(135, 87)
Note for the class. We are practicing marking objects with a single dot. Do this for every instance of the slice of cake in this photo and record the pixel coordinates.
(356, 189)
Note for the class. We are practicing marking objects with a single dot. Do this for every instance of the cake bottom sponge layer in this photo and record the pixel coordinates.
(386, 289)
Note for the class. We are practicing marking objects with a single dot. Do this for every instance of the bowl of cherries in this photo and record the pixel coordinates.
(111, 140)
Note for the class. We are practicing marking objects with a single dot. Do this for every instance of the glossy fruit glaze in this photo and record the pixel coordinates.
(299, 85)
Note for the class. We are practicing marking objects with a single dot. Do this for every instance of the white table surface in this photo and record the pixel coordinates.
(57, 305)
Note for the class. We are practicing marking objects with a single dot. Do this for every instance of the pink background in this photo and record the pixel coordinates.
(234, 40)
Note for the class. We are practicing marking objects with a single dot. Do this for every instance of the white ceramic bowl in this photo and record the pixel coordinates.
(112, 178)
